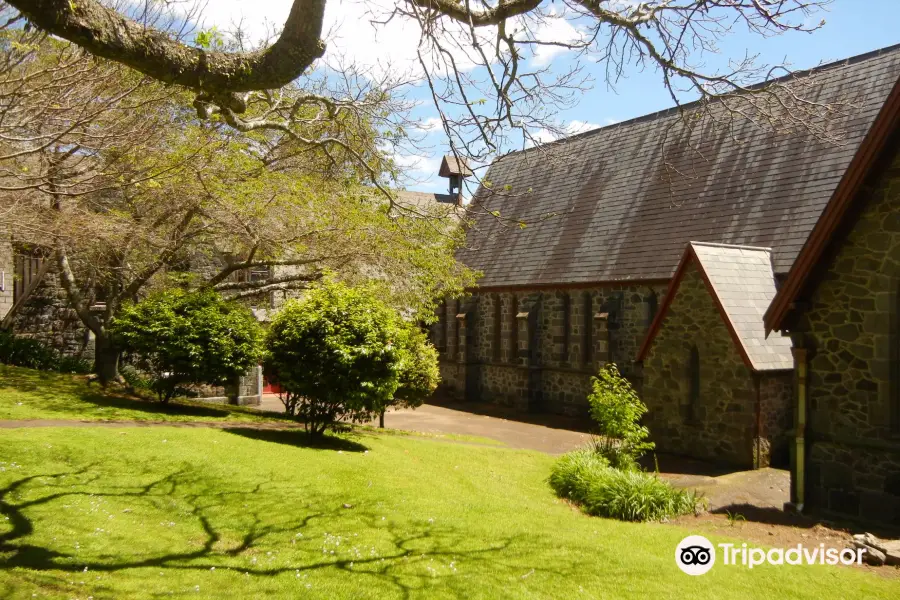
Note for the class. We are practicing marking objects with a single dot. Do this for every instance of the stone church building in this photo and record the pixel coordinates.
(715, 386)
(590, 232)
(840, 305)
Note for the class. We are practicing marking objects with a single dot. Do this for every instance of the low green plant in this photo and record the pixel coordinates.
(187, 338)
(734, 517)
(34, 354)
(573, 473)
(585, 477)
(617, 409)
(636, 496)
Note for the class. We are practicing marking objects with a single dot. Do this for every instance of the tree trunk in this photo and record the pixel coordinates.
(106, 360)
(381, 420)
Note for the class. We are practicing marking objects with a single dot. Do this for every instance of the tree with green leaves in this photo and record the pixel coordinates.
(617, 410)
(125, 191)
(338, 354)
(189, 338)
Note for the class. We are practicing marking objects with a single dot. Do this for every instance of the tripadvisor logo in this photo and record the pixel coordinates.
(695, 555)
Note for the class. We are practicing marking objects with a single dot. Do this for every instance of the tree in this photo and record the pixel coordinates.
(189, 338)
(617, 409)
(127, 191)
(474, 57)
(336, 354)
(418, 370)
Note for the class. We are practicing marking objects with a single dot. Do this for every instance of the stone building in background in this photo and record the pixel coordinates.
(578, 239)
(716, 388)
(840, 305)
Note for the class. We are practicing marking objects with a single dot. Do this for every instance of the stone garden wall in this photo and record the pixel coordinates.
(852, 331)
(719, 422)
(537, 350)
(47, 316)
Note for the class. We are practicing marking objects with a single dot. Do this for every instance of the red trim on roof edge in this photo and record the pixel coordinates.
(865, 158)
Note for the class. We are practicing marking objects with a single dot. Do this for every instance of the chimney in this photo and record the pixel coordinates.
(455, 170)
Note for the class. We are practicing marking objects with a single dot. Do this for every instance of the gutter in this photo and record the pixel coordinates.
(799, 471)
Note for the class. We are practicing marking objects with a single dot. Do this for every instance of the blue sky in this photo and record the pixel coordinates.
(851, 27)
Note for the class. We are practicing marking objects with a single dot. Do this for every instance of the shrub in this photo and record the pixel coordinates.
(418, 370)
(573, 472)
(636, 496)
(617, 410)
(586, 478)
(34, 354)
(74, 364)
(335, 355)
(189, 338)
(135, 379)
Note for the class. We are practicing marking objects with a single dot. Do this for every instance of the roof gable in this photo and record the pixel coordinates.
(619, 203)
(836, 211)
(741, 281)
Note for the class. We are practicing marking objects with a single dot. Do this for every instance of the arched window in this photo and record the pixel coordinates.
(652, 306)
(693, 382)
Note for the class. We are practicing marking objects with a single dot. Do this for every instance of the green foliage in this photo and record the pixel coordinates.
(418, 370)
(585, 477)
(189, 338)
(636, 496)
(617, 410)
(134, 379)
(34, 354)
(573, 473)
(335, 355)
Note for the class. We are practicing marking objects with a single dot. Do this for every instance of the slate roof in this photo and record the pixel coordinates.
(742, 282)
(608, 208)
(451, 165)
(423, 199)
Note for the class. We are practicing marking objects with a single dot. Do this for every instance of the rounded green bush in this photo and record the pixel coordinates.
(335, 355)
(189, 338)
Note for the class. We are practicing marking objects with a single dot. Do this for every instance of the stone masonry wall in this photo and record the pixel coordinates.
(6, 274)
(718, 425)
(852, 327)
(46, 316)
(776, 417)
(537, 350)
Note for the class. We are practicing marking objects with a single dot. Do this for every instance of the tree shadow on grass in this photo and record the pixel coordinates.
(404, 563)
(56, 391)
(298, 438)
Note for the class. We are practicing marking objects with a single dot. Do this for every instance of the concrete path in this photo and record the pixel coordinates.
(440, 419)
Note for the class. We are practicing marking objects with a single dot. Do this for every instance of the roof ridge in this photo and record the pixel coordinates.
(735, 246)
(843, 62)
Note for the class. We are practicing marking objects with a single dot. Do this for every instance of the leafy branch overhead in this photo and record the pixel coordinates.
(474, 57)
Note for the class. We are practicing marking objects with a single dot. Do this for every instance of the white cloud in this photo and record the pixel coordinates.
(553, 29)
(351, 31)
(430, 125)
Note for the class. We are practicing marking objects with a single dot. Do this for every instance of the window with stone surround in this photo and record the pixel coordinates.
(498, 326)
(566, 323)
(587, 329)
(513, 328)
(445, 326)
(27, 263)
(693, 398)
(652, 306)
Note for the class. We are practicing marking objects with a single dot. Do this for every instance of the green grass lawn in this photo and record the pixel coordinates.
(242, 513)
(29, 394)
